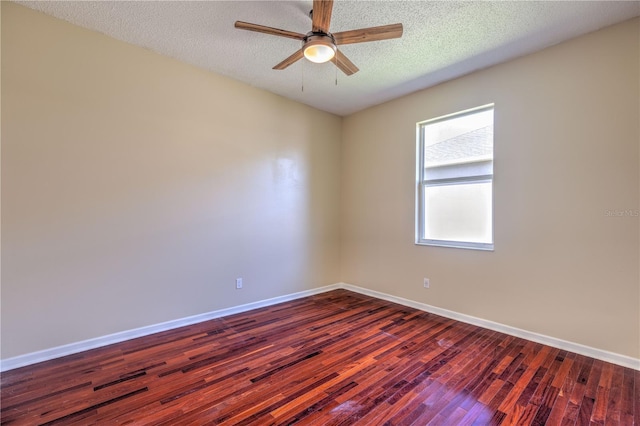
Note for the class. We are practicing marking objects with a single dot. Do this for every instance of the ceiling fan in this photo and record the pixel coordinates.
(319, 45)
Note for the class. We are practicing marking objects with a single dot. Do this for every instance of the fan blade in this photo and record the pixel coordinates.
(362, 35)
(268, 30)
(345, 65)
(322, 15)
(290, 60)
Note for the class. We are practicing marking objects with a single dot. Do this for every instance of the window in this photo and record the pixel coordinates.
(455, 180)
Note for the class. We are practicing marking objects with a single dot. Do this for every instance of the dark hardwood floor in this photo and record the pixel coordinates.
(337, 358)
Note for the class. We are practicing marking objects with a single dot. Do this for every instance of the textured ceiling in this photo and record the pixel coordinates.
(442, 39)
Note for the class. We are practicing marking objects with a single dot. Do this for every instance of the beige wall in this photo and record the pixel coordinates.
(135, 188)
(566, 151)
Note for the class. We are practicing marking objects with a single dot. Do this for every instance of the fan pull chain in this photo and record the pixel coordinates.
(303, 76)
(336, 70)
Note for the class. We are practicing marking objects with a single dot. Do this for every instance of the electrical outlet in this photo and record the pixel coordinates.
(238, 283)
(426, 283)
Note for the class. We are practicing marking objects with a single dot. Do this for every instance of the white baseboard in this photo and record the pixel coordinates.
(72, 348)
(614, 358)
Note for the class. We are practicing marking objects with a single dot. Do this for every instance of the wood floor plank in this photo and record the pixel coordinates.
(628, 399)
(337, 358)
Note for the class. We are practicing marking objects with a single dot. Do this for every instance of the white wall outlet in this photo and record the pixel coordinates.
(238, 283)
(426, 283)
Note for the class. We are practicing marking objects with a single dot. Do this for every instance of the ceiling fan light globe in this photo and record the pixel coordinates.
(319, 50)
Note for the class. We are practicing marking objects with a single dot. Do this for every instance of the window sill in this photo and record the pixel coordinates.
(456, 244)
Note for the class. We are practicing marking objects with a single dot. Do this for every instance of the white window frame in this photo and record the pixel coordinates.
(422, 183)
